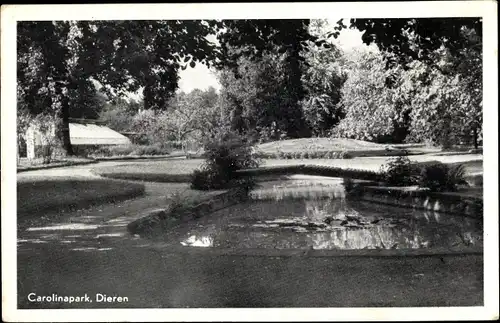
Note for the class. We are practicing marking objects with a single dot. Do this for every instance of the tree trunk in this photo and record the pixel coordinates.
(475, 137)
(295, 121)
(147, 95)
(63, 131)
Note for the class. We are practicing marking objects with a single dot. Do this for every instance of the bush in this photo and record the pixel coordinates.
(315, 154)
(203, 179)
(344, 154)
(151, 150)
(400, 172)
(120, 150)
(440, 177)
(131, 150)
(457, 176)
(435, 176)
(224, 155)
(348, 184)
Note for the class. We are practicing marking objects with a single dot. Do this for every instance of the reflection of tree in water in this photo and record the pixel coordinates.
(342, 238)
(353, 225)
(372, 238)
(278, 193)
(388, 227)
(336, 208)
(198, 241)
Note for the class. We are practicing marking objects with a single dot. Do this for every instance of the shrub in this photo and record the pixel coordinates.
(315, 154)
(334, 155)
(150, 150)
(224, 154)
(131, 150)
(400, 172)
(433, 177)
(457, 176)
(348, 184)
(205, 179)
(200, 179)
(176, 204)
(344, 154)
(120, 150)
(440, 177)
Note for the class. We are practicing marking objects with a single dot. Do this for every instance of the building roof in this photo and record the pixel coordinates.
(95, 134)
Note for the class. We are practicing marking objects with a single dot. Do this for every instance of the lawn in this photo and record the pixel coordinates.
(178, 170)
(36, 197)
(318, 147)
(174, 170)
(302, 144)
(25, 164)
(354, 147)
(472, 163)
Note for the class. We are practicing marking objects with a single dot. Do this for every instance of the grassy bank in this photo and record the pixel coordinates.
(179, 170)
(335, 148)
(174, 170)
(25, 164)
(34, 198)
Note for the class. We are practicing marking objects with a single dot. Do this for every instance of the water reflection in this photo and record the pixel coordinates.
(198, 241)
(279, 192)
(320, 217)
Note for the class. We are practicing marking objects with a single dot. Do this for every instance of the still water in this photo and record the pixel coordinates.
(305, 215)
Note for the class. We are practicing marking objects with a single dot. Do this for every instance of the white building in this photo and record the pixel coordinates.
(83, 133)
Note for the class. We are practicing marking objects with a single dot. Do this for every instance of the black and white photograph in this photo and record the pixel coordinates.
(250, 161)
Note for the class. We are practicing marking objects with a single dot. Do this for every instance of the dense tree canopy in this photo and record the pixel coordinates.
(194, 114)
(129, 55)
(281, 77)
(323, 78)
(417, 103)
(261, 42)
(419, 39)
(259, 98)
(58, 60)
(369, 104)
(446, 84)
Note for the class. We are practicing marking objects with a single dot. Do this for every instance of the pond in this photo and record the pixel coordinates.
(312, 214)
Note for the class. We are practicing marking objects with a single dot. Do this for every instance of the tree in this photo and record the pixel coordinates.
(86, 103)
(253, 40)
(193, 114)
(153, 125)
(58, 60)
(118, 114)
(147, 54)
(444, 108)
(257, 96)
(44, 74)
(323, 78)
(416, 103)
(372, 108)
(419, 39)
(441, 86)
